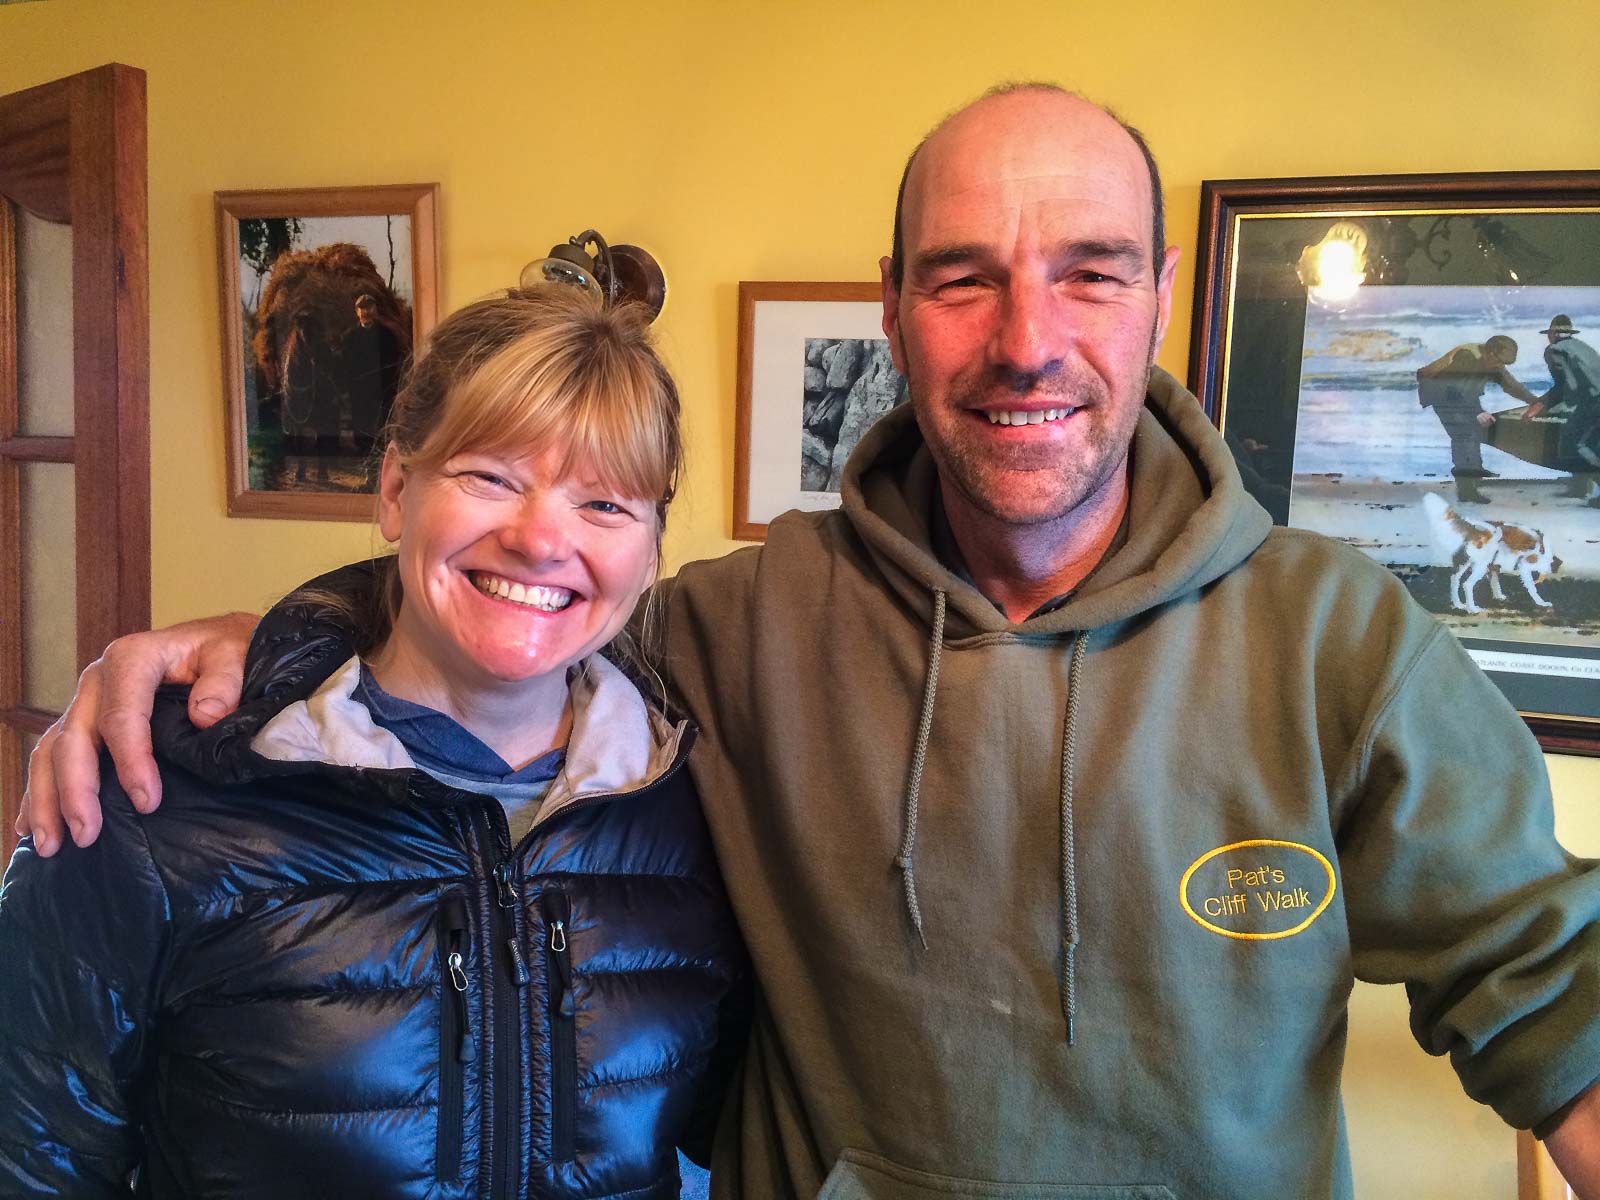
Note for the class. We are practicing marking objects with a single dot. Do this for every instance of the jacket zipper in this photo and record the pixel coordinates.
(456, 1044)
(563, 1026)
(507, 973)
(495, 837)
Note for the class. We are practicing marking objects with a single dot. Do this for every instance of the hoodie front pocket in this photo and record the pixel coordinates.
(563, 1026)
(858, 1175)
(456, 1044)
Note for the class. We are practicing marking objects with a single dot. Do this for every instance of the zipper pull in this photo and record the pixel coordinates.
(466, 1048)
(519, 969)
(558, 953)
(502, 879)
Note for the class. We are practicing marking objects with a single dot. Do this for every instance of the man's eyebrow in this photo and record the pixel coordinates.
(950, 256)
(1121, 249)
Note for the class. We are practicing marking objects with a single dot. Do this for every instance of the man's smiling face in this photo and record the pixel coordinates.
(1029, 311)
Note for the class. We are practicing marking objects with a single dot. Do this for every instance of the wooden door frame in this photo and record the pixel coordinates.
(1537, 1177)
(74, 150)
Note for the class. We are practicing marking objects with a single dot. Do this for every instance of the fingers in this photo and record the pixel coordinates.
(132, 672)
(220, 673)
(41, 812)
(76, 761)
(113, 703)
(209, 653)
(63, 793)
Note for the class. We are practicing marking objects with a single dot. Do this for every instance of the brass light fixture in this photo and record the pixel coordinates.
(611, 274)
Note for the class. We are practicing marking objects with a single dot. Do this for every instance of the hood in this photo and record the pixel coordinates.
(1190, 520)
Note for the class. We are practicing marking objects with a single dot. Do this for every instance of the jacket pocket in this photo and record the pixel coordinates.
(858, 1175)
(456, 1044)
(563, 1025)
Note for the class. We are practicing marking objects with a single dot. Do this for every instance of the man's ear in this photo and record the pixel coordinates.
(891, 313)
(1169, 271)
(391, 493)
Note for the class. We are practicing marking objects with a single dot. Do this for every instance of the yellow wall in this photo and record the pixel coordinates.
(763, 141)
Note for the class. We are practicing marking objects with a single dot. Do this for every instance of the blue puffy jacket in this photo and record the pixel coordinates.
(303, 980)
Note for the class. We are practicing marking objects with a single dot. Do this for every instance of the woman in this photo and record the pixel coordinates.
(434, 913)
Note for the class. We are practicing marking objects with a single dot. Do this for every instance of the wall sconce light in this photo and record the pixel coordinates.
(612, 274)
(1334, 268)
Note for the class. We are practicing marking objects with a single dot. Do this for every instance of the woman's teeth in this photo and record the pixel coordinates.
(1037, 417)
(546, 599)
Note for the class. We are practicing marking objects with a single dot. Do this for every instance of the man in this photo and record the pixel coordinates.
(373, 358)
(1575, 369)
(1452, 385)
(1059, 795)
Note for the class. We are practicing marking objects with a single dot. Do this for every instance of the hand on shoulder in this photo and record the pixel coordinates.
(111, 708)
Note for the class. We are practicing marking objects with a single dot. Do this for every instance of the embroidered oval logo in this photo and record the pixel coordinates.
(1257, 890)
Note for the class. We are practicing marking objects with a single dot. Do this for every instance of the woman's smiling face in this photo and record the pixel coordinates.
(510, 568)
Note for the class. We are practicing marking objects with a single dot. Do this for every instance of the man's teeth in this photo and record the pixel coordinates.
(547, 599)
(1037, 417)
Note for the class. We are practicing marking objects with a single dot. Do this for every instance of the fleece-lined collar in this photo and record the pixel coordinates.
(617, 744)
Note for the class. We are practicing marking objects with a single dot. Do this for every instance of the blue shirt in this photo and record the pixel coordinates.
(448, 751)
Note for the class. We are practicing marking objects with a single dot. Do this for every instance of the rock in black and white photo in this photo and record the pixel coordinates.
(849, 384)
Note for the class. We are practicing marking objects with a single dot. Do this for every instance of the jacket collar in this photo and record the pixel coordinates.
(305, 647)
(617, 743)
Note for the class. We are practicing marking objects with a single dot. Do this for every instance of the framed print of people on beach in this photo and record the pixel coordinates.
(1411, 364)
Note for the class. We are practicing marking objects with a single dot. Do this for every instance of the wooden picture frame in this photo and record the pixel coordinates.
(321, 306)
(791, 438)
(1317, 300)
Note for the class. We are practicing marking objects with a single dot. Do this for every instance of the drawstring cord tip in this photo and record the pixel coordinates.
(904, 863)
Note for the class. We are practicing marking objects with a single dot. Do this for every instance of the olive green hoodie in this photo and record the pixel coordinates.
(1080, 901)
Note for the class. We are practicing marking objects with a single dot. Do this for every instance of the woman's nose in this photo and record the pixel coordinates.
(538, 531)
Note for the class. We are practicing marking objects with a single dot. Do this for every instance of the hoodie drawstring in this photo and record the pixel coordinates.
(905, 860)
(1068, 859)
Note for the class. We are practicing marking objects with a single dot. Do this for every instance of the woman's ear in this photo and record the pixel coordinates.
(391, 495)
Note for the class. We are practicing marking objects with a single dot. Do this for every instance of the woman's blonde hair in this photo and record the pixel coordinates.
(540, 368)
(525, 372)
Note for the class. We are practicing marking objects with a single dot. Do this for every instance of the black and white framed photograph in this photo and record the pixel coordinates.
(324, 294)
(814, 373)
(1411, 364)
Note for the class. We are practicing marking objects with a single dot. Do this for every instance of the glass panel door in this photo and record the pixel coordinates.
(38, 504)
(74, 394)
(49, 577)
(44, 326)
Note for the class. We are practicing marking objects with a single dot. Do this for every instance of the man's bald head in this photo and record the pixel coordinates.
(1158, 232)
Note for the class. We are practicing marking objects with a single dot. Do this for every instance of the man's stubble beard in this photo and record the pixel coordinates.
(1103, 448)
